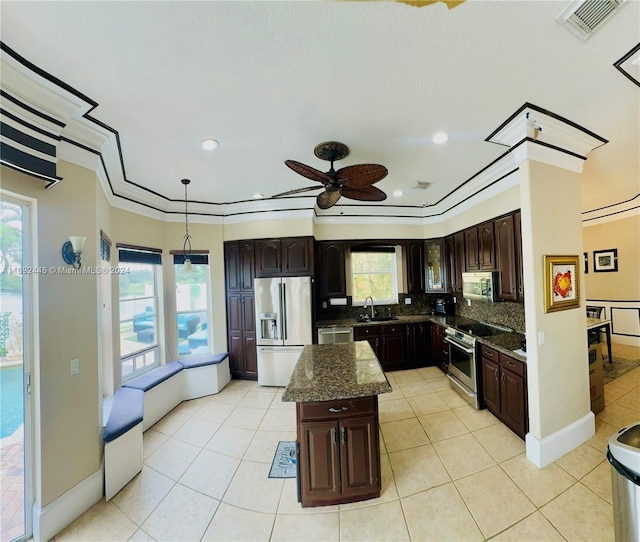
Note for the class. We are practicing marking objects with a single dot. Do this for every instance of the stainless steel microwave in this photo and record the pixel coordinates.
(481, 286)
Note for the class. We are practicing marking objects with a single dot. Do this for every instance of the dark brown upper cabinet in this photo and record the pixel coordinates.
(479, 248)
(331, 279)
(415, 267)
(504, 228)
(454, 259)
(434, 257)
(518, 234)
(239, 268)
(291, 256)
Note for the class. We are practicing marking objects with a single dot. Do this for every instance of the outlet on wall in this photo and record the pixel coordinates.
(469, 302)
(407, 301)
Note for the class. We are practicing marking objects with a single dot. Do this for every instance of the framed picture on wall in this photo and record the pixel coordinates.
(605, 260)
(586, 263)
(561, 283)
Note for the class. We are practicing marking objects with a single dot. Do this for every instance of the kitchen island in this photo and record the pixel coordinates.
(335, 388)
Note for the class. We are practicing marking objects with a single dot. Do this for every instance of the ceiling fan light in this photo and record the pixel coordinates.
(440, 138)
(398, 193)
(257, 195)
(209, 144)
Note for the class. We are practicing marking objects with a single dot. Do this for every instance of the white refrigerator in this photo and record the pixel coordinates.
(283, 326)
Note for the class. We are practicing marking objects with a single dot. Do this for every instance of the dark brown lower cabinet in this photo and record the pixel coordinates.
(339, 451)
(440, 347)
(418, 341)
(241, 339)
(387, 342)
(504, 391)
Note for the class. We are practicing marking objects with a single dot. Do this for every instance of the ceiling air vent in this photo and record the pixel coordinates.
(421, 185)
(582, 17)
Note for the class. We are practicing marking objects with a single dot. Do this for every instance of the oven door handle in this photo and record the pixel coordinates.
(459, 346)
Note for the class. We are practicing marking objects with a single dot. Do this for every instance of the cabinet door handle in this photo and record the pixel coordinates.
(503, 378)
(510, 364)
(343, 435)
(376, 343)
(333, 435)
(341, 409)
(495, 372)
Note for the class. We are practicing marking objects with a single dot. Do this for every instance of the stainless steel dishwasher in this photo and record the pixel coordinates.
(329, 335)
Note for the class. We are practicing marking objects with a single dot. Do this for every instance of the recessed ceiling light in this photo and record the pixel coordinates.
(209, 144)
(398, 193)
(257, 195)
(440, 138)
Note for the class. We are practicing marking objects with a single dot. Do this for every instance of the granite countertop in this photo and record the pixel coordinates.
(327, 372)
(507, 342)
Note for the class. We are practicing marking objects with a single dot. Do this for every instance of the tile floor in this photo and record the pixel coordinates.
(448, 472)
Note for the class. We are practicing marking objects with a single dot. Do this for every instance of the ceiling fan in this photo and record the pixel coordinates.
(353, 182)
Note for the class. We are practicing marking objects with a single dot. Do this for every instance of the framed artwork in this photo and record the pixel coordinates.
(605, 260)
(586, 263)
(561, 283)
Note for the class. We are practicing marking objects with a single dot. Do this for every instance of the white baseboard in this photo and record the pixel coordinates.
(542, 452)
(50, 520)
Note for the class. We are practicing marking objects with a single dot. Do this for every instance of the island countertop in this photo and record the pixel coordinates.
(327, 372)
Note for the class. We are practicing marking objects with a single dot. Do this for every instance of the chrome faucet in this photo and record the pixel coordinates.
(365, 306)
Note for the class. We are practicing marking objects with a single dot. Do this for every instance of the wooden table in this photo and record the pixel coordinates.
(601, 324)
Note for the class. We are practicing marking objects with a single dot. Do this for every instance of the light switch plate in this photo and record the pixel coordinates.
(75, 366)
(407, 301)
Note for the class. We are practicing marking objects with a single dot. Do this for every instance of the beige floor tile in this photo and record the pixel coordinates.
(392, 396)
(151, 441)
(631, 400)
(235, 524)
(237, 384)
(197, 431)
(279, 404)
(442, 425)
(613, 391)
(630, 380)
(540, 485)
(246, 417)
(599, 481)
(417, 469)
(604, 431)
(252, 489)
(581, 460)
(475, 419)
(463, 455)
(103, 521)
(170, 423)
(452, 398)
(141, 536)
(384, 522)
(231, 441)
(192, 406)
(440, 384)
(257, 399)
(430, 372)
(579, 514)
(210, 473)
(618, 416)
(427, 404)
(418, 387)
(500, 442)
(215, 411)
(289, 501)
(183, 515)
(383, 446)
(316, 527)
(388, 492)
(172, 458)
(230, 396)
(489, 491)
(410, 375)
(439, 514)
(534, 528)
(278, 420)
(398, 409)
(264, 443)
(403, 434)
(140, 496)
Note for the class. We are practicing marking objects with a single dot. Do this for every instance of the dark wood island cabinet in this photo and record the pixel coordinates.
(336, 388)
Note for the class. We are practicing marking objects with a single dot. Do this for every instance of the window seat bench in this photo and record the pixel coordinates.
(142, 401)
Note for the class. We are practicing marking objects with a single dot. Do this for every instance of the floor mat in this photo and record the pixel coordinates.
(618, 368)
(284, 460)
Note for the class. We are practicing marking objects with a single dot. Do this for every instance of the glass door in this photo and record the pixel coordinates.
(15, 371)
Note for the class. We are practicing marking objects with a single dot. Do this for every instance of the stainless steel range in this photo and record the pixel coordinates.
(464, 370)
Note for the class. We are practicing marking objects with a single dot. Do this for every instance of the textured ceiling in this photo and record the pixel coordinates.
(270, 80)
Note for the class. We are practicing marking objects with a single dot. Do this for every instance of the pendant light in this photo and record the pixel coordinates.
(186, 247)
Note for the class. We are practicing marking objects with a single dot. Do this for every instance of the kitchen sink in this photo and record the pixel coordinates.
(377, 319)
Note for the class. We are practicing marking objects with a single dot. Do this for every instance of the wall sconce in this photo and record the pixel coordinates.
(72, 250)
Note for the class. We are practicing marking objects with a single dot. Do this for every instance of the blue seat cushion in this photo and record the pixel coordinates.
(126, 412)
(202, 361)
(154, 377)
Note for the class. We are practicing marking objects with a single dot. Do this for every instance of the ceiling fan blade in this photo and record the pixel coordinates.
(297, 191)
(309, 172)
(328, 199)
(361, 175)
(368, 193)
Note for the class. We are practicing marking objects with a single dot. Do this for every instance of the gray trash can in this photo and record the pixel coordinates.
(624, 455)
